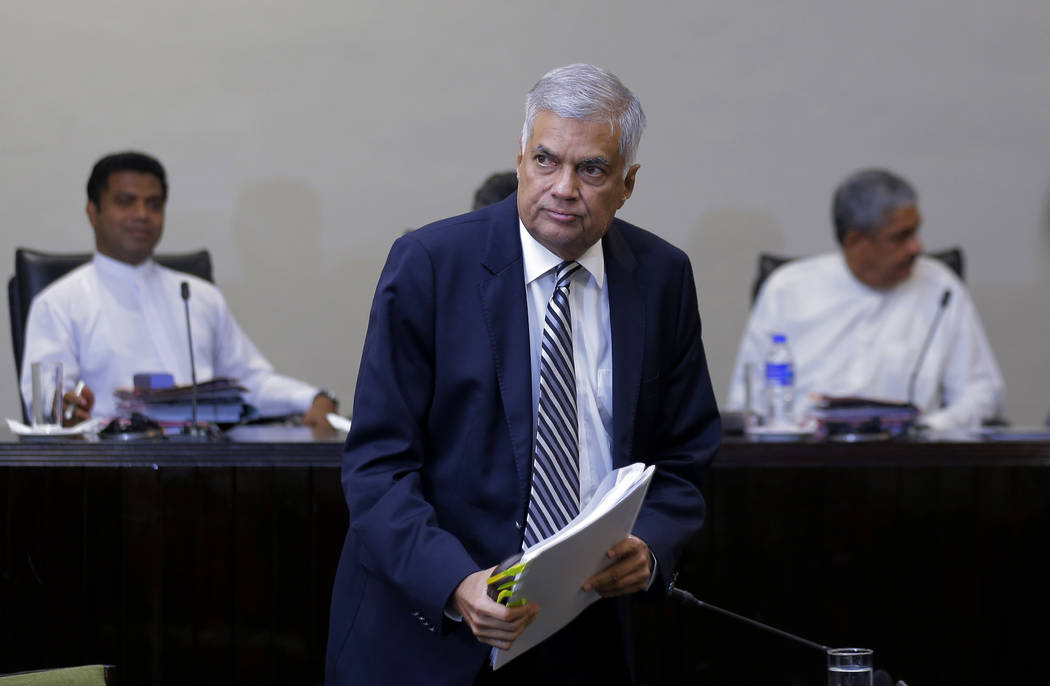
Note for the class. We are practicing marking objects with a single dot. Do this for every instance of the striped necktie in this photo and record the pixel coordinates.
(555, 496)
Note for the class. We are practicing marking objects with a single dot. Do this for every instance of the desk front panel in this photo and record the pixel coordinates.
(214, 564)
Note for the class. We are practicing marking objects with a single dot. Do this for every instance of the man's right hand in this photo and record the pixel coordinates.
(81, 406)
(492, 623)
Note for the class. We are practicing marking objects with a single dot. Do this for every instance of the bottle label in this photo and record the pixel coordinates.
(782, 374)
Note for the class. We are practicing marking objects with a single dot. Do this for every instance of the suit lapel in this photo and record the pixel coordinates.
(627, 324)
(504, 307)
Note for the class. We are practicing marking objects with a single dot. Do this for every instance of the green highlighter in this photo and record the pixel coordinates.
(503, 580)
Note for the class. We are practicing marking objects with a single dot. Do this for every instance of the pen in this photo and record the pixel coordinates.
(77, 390)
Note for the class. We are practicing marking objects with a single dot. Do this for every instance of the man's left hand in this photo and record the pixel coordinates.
(628, 573)
(317, 415)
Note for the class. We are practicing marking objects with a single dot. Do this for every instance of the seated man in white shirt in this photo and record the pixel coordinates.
(856, 319)
(122, 313)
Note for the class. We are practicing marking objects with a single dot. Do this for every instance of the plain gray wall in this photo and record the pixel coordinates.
(302, 138)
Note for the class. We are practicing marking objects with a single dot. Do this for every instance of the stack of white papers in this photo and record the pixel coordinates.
(555, 568)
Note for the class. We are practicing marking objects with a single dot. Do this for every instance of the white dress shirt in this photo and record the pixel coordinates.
(848, 339)
(592, 358)
(591, 349)
(106, 321)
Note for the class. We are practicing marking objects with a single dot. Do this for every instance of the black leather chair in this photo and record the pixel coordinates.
(34, 270)
(768, 263)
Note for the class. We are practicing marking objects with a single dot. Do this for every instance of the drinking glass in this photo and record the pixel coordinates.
(849, 667)
(47, 394)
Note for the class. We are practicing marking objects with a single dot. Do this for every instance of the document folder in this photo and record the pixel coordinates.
(551, 572)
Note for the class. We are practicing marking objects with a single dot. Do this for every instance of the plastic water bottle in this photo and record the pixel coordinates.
(780, 383)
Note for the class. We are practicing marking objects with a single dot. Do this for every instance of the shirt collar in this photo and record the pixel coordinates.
(864, 288)
(539, 260)
(112, 267)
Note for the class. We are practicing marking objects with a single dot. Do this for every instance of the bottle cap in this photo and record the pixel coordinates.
(779, 338)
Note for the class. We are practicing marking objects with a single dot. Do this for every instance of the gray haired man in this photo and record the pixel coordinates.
(856, 320)
(469, 444)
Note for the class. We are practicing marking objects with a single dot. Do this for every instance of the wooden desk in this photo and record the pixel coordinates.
(213, 563)
(935, 555)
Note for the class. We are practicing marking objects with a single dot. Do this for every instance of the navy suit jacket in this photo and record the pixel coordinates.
(437, 465)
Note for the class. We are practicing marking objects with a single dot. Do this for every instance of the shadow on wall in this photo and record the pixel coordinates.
(297, 312)
(1015, 312)
(724, 248)
(1046, 229)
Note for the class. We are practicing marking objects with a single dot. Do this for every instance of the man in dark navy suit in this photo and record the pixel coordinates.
(444, 469)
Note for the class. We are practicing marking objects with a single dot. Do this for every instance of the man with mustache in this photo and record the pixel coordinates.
(856, 320)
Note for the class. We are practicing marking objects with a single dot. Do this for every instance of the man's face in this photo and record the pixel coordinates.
(885, 259)
(129, 218)
(571, 182)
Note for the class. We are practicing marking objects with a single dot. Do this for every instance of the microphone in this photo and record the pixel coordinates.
(880, 676)
(945, 297)
(194, 430)
(689, 599)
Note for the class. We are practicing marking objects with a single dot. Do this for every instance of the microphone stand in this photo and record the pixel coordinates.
(945, 297)
(880, 677)
(689, 599)
(194, 432)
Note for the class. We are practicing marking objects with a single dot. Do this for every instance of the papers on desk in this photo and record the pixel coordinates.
(219, 400)
(88, 426)
(851, 416)
(338, 422)
(553, 570)
(219, 388)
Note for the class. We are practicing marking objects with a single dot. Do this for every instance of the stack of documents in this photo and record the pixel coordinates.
(551, 572)
(219, 401)
(841, 416)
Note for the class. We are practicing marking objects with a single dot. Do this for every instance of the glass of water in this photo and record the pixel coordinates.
(849, 667)
(47, 394)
